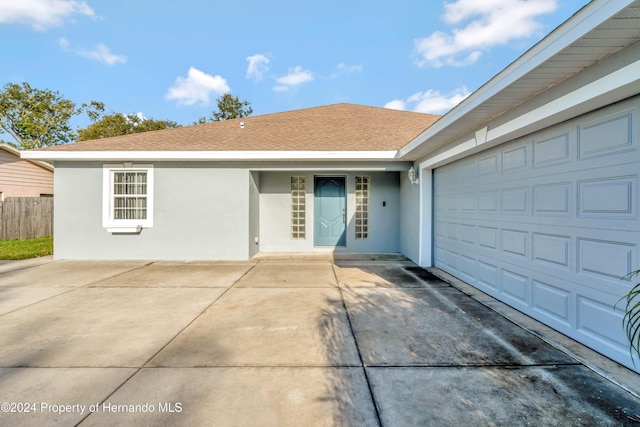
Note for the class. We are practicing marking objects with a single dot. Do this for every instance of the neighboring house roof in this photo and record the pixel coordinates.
(12, 150)
(338, 127)
(597, 31)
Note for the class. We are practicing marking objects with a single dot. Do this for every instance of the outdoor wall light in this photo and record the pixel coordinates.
(413, 176)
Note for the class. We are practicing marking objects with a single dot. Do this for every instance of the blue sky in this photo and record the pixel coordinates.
(171, 60)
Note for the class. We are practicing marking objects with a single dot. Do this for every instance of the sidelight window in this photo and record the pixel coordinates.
(363, 184)
(298, 207)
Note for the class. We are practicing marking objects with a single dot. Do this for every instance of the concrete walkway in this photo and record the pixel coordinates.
(277, 341)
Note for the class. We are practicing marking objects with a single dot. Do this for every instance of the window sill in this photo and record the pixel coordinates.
(125, 230)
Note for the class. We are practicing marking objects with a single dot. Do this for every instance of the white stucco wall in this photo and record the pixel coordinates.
(201, 212)
(409, 218)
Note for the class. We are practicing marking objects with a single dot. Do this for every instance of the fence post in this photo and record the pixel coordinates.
(2, 225)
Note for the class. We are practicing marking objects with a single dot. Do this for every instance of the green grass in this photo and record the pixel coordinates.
(23, 249)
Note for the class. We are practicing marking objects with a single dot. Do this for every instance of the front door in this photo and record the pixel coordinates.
(330, 215)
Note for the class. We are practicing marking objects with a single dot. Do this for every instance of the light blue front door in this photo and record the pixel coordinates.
(330, 204)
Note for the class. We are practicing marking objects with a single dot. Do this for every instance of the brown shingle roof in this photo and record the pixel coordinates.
(338, 127)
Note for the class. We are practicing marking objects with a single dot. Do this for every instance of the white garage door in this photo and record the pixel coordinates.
(549, 223)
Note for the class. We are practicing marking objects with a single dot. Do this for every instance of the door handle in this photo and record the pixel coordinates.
(344, 217)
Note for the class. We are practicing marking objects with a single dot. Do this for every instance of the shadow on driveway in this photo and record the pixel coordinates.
(435, 356)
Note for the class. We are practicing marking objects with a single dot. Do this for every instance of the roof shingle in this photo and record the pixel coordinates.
(337, 127)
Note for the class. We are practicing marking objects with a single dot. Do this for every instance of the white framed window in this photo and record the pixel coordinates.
(127, 197)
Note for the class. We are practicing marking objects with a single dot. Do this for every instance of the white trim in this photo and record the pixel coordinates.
(455, 152)
(396, 167)
(425, 244)
(125, 230)
(125, 226)
(209, 155)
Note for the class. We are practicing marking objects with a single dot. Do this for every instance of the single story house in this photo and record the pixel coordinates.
(527, 190)
(23, 178)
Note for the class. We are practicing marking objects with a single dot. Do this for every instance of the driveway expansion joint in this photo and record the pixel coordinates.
(353, 335)
(166, 344)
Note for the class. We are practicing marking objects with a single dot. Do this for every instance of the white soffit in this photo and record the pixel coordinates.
(598, 30)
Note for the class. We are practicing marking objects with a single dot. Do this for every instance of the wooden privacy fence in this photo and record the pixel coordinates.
(26, 218)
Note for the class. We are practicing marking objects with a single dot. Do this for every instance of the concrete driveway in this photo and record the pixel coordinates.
(361, 340)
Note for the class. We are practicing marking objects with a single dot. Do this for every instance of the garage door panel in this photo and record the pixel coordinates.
(468, 233)
(438, 258)
(553, 199)
(515, 201)
(488, 275)
(516, 158)
(487, 237)
(452, 231)
(488, 202)
(606, 136)
(515, 287)
(515, 243)
(608, 198)
(549, 223)
(451, 259)
(467, 268)
(600, 328)
(605, 260)
(552, 302)
(553, 150)
(488, 165)
(552, 251)
(468, 203)
(599, 322)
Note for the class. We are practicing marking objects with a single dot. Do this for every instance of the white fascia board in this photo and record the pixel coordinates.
(612, 87)
(589, 17)
(456, 152)
(210, 155)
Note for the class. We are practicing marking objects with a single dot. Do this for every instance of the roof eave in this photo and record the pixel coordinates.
(386, 155)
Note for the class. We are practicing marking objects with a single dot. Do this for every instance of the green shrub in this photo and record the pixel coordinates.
(631, 318)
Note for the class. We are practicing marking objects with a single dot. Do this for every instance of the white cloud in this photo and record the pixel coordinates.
(489, 23)
(196, 88)
(396, 104)
(296, 77)
(99, 53)
(42, 14)
(343, 69)
(430, 102)
(258, 65)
